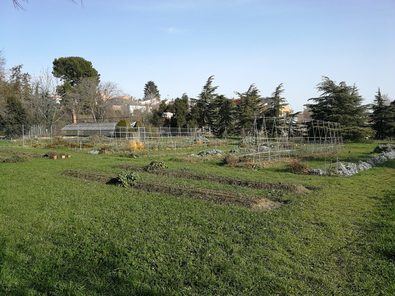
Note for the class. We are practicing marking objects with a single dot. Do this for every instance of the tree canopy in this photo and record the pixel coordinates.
(151, 91)
(382, 117)
(341, 103)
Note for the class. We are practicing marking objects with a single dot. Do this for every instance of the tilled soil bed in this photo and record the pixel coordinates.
(217, 196)
(186, 174)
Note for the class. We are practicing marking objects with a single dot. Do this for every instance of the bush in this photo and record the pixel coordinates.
(356, 133)
(155, 165)
(297, 167)
(128, 179)
(231, 160)
(122, 128)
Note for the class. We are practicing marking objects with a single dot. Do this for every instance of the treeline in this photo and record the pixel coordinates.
(43, 101)
(223, 115)
(339, 103)
(80, 92)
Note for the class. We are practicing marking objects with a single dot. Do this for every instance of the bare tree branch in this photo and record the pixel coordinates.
(18, 4)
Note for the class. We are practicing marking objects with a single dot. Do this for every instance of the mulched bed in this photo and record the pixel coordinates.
(217, 196)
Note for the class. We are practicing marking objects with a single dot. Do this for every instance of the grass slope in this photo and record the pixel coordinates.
(59, 235)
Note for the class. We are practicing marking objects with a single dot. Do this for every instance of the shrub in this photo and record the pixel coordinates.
(298, 167)
(122, 128)
(356, 133)
(128, 179)
(155, 165)
(231, 160)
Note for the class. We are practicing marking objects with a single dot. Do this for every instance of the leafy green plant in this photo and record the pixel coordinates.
(128, 179)
(155, 165)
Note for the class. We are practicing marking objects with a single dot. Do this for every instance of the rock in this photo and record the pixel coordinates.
(384, 148)
(318, 172)
(348, 169)
(210, 152)
(94, 152)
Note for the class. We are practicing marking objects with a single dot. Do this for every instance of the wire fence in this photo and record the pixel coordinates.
(270, 138)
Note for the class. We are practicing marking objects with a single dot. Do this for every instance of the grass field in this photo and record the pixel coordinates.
(62, 235)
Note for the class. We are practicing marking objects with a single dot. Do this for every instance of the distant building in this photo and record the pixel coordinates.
(119, 104)
(106, 129)
(168, 115)
(144, 105)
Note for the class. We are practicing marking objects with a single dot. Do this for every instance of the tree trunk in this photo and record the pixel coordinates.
(73, 116)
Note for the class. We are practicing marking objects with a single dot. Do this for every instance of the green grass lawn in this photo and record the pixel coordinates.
(65, 236)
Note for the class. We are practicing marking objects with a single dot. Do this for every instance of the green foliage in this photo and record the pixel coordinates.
(128, 178)
(249, 109)
(223, 116)
(155, 166)
(339, 103)
(180, 110)
(276, 102)
(383, 117)
(206, 98)
(355, 133)
(157, 115)
(151, 91)
(72, 69)
(122, 128)
(14, 119)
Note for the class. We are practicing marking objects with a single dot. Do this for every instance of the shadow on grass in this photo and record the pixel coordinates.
(381, 230)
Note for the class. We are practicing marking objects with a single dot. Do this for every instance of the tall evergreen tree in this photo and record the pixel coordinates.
(342, 104)
(276, 102)
(15, 118)
(181, 107)
(381, 118)
(151, 91)
(250, 109)
(223, 111)
(206, 97)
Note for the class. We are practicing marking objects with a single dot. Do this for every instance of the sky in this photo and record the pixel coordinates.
(180, 43)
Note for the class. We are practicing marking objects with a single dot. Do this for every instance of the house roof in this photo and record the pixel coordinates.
(90, 126)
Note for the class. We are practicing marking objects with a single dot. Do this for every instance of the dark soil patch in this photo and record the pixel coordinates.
(15, 157)
(217, 196)
(223, 180)
(90, 176)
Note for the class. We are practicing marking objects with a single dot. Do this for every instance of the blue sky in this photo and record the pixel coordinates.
(179, 43)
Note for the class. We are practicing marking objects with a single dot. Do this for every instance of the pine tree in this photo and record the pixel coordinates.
(222, 116)
(276, 102)
(151, 91)
(15, 117)
(342, 104)
(381, 116)
(206, 97)
(181, 107)
(250, 109)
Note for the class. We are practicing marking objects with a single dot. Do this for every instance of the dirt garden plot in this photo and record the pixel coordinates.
(187, 174)
(8, 156)
(217, 196)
